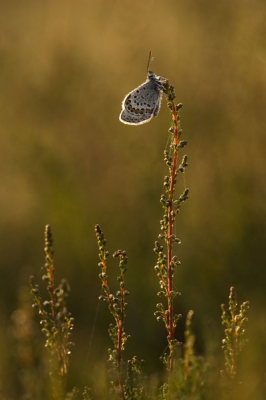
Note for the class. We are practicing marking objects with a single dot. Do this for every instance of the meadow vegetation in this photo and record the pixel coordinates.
(67, 164)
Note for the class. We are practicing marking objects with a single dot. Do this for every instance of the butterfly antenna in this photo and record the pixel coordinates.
(150, 60)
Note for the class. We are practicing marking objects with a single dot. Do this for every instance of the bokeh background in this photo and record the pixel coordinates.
(66, 160)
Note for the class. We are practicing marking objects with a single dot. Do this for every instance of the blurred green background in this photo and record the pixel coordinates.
(66, 160)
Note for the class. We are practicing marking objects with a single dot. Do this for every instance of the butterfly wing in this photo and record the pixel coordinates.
(140, 105)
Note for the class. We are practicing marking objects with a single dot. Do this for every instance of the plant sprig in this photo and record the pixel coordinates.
(117, 306)
(166, 261)
(56, 321)
(234, 319)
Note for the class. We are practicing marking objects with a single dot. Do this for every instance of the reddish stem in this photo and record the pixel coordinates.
(170, 241)
(119, 356)
(120, 323)
(58, 346)
(51, 289)
(234, 353)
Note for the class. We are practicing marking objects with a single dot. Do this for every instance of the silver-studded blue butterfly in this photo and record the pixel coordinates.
(144, 102)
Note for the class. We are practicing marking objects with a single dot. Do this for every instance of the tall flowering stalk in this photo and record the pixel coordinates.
(167, 262)
(56, 320)
(117, 306)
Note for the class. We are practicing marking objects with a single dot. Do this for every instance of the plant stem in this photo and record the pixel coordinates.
(170, 237)
(117, 307)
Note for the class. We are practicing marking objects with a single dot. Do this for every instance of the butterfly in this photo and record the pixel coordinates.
(144, 102)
